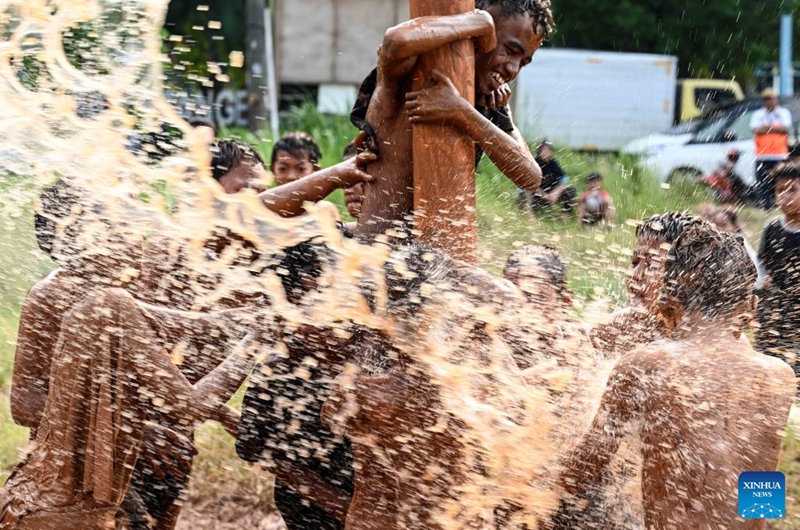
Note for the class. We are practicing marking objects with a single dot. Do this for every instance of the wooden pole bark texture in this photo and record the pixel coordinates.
(444, 157)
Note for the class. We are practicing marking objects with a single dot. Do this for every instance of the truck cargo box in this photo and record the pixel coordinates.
(594, 100)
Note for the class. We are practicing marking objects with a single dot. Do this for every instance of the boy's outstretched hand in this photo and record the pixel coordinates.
(439, 103)
(353, 170)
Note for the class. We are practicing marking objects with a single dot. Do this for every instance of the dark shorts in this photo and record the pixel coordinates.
(300, 514)
(764, 189)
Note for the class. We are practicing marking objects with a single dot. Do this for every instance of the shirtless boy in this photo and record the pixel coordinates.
(281, 424)
(698, 431)
(295, 164)
(109, 377)
(507, 34)
(163, 468)
(640, 322)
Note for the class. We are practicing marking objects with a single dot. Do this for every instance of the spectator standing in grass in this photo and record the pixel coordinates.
(770, 125)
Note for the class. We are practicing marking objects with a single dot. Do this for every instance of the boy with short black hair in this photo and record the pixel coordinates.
(674, 392)
(779, 254)
(236, 165)
(640, 323)
(507, 33)
(295, 164)
(294, 156)
(595, 205)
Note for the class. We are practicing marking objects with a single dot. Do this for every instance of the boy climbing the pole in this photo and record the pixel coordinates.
(506, 33)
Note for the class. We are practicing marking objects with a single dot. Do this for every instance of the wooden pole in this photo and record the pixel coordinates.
(444, 157)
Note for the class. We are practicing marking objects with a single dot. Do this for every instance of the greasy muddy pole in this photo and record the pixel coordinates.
(444, 157)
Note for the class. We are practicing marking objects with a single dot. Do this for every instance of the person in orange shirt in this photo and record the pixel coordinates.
(771, 125)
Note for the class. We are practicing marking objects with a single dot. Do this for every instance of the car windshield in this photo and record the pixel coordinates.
(710, 131)
(740, 128)
(686, 127)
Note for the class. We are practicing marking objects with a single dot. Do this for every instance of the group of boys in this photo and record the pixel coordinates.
(111, 416)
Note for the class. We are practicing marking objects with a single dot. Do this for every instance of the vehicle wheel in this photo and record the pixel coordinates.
(683, 175)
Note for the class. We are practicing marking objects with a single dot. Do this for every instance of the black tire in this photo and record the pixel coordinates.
(684, 174)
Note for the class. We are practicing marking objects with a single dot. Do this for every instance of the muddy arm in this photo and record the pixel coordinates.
(509, 152)
(287, 200)
(36, 341)
(442, 103)
(593, 454)
(207, 397)
(181, 400)
(403, 43)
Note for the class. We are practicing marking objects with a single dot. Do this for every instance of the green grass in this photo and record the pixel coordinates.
(597, 257)
(790, 466)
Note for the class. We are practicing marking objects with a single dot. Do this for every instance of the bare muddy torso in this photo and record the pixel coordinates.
(389, 200)
(704, 425)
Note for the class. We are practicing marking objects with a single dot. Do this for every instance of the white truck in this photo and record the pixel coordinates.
(591, 100)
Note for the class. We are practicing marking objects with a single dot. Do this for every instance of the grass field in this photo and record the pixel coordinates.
(224, 488)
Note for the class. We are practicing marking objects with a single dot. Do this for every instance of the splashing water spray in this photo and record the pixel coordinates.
(449, 430)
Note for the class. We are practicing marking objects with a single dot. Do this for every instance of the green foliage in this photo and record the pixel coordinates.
(724, 38)
(80, 44)
(197, 46)
(30, 71)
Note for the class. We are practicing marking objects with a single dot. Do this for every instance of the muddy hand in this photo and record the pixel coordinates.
(365, 158)
(350, 171)
(439, 103)
(499, 97)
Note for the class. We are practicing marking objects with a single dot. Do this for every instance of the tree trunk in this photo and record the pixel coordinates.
(444, 157)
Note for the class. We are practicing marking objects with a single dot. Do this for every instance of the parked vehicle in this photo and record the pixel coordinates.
(677, 134)
(696, 97)
(600, 101)
(709, 146)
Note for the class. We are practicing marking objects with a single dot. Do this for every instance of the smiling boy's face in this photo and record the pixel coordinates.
(517, 41)
(787, 195)
(288, 168)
